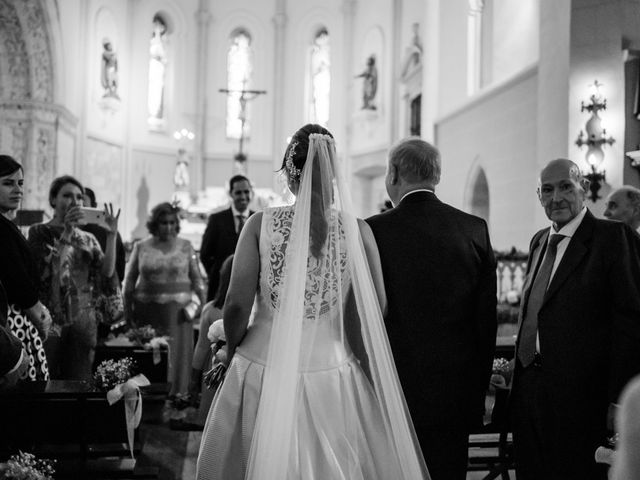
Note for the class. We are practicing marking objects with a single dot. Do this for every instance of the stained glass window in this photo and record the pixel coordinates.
(157, 73)
(239, 70)
(320, 78)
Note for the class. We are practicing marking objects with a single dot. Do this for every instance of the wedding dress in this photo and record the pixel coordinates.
(312, 392)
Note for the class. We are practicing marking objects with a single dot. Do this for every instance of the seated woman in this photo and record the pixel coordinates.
(161, 275)
(73, 270)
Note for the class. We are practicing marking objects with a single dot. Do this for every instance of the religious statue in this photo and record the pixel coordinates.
(109, 70)
(413, 53)
(181, 174)
(157, 67)
(370, 83)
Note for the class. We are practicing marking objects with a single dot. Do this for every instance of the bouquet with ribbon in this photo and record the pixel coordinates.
(113, 372)
(215, 376)
(146, 337)
(25, 466)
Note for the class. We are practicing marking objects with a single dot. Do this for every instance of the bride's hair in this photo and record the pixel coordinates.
(295, 156)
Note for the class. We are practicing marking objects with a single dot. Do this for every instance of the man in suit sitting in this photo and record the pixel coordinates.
(221, 235)
(440, 278)
(623, 205)
(579, 335)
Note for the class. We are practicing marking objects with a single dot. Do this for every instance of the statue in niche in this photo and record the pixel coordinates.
(157, 68)
(181, 174)
(413, 53)
(370, 83)
(109, 70)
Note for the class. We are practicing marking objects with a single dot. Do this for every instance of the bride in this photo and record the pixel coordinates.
(311, 391)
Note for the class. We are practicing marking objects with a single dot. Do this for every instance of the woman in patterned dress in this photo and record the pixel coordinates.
(161, 275)
(27, 319)
(73, 272)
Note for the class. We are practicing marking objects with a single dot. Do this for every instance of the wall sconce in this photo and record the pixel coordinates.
(595, 138)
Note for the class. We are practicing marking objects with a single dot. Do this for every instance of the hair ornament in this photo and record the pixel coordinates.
(292, 170)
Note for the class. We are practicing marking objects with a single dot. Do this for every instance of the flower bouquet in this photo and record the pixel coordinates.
(501, 372)
(25, 466)
(141, 335)
(215, 376)
(113, 372)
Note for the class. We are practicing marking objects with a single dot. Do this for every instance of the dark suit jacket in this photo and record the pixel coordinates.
(589, 322)
(218, 242)
(18, 269)
(440, 277)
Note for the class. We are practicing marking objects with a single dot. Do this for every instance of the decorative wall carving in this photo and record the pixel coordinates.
(14, 58)
(31, 121)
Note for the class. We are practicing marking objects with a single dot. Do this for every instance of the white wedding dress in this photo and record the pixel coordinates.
(338, 430)
(296, 403)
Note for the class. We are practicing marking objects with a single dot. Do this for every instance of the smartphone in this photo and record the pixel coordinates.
(93, 215)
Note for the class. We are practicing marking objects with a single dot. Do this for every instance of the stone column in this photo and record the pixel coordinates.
(203, 20)
(348, 11)
(430, 68)
(279, 80)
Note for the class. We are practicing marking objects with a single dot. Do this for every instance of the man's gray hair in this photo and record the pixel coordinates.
(417, 161)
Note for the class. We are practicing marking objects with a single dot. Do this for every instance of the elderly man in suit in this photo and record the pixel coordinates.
(579, 335)
(623, 205)
(221, 235)
(440, 279)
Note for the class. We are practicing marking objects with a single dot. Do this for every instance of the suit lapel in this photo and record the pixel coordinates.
(576, 250)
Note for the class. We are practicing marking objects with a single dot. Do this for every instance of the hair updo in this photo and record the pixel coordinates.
(295, 156)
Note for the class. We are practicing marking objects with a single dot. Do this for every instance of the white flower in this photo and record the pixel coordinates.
(216, 332)
(220, 356)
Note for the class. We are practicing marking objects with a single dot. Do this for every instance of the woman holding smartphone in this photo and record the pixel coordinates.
(73, 269)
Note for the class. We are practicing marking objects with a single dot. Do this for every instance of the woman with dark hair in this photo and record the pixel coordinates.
(161, 276)
(311, 391)
(27, 318)
(74, 271)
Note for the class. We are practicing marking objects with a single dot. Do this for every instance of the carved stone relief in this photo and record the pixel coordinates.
(31, 121)
(14, 58)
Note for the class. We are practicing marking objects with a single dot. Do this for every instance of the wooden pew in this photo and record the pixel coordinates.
(74, 424)
(156, 373)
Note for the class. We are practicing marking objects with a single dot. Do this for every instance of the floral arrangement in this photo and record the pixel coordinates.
(501, 372)
(25, 466)
(113, 372)
(141, 335)
(214, 377)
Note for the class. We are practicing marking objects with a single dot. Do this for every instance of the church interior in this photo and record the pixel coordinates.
(147, 101)
(126, 94)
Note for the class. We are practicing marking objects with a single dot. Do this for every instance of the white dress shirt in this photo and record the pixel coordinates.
(236, 221)
(415, 191)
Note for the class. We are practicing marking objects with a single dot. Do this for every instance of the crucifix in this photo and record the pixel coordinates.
(245, 96)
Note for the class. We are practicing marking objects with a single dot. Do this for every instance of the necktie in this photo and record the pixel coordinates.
(529, 329)
(241, 221)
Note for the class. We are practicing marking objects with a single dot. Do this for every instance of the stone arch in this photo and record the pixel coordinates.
(31, 120)
(477, 193)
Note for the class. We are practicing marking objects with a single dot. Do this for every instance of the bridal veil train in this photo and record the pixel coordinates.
(311, 392)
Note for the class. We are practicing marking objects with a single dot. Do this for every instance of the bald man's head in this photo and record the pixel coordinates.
(623, 205)
(561, 190)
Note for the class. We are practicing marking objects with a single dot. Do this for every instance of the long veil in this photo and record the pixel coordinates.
(327, 309)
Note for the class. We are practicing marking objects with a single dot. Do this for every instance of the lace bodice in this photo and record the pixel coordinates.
(327, 277)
